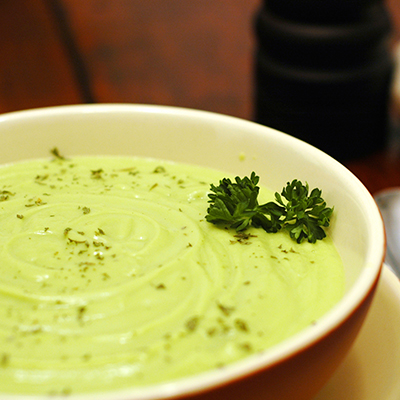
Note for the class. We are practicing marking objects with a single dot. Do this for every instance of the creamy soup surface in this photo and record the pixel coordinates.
(111, 277)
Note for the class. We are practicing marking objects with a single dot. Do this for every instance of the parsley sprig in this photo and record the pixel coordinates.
(304, 215)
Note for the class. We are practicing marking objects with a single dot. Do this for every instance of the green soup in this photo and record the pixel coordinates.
(110, 277)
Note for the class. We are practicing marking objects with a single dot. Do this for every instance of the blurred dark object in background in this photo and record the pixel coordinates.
(323, 73)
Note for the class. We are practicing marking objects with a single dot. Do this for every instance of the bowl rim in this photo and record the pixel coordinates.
(283, 350)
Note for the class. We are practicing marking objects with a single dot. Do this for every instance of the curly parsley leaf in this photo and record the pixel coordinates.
(303, 215)
(306, 214)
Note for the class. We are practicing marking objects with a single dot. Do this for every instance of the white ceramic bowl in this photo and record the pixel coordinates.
(296, 368)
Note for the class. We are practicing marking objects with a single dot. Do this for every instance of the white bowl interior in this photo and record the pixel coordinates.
(222, 142)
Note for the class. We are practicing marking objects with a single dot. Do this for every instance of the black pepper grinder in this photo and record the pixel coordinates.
(323, 73)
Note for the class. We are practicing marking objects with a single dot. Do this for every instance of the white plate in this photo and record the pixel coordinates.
(371, 371)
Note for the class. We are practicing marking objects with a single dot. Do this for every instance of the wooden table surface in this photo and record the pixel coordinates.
(196, 54)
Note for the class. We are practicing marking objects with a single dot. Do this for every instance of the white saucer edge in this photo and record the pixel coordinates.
(371, 370)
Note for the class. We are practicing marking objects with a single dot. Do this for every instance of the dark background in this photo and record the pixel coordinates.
(196, 54)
